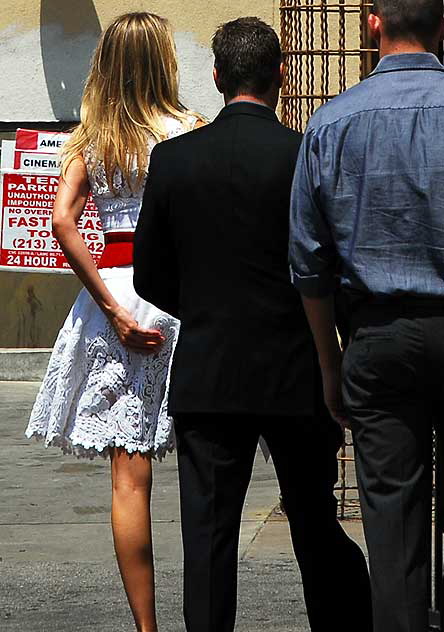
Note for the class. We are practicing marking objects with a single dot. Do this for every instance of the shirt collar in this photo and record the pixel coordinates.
(248, 107)
(263, 105)
(408, 61)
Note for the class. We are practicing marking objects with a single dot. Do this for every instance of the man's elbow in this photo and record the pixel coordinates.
(314, 286)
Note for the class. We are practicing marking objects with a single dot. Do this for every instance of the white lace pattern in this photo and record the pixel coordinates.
(97, 394)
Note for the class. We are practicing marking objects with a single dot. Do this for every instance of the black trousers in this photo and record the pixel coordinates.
(216, 455)
(393, 391)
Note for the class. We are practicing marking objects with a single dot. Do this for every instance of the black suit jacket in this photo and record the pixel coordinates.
(211, 249)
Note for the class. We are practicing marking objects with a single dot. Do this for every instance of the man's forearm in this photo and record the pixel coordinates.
(321, 317)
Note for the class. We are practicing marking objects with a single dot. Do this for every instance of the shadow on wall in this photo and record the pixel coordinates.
(68, 35)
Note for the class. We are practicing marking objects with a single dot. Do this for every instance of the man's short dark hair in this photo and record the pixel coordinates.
(247, 56)
(417, 20)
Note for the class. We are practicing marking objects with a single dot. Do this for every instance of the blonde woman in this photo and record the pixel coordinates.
(106, 384)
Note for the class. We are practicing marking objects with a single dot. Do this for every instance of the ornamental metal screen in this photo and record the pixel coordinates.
(326, 48)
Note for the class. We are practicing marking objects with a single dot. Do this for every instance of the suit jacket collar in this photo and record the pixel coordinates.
(249, 108)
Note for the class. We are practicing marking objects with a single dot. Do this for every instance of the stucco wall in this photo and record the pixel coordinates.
(33, 307)
(45, 47)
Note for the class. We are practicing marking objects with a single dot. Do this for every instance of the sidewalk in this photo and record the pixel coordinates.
(56, 555)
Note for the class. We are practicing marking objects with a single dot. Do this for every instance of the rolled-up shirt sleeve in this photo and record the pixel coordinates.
(312, 252)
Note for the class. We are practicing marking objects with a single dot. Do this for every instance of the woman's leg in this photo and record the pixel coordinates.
(131, 522)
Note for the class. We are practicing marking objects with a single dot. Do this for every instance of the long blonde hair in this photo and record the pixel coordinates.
(132, 85)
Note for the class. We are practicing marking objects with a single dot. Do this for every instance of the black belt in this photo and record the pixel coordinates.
(378, 310)
(358, 301)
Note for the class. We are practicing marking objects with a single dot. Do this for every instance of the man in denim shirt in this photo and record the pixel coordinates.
(368, 201)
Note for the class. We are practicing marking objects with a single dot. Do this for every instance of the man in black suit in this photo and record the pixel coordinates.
(211, 249)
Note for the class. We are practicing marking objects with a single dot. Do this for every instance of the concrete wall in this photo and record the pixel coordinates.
(45, 47)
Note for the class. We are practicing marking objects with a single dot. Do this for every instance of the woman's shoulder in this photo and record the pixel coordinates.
(175, 126)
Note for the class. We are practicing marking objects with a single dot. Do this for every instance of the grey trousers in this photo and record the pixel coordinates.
(394, 394)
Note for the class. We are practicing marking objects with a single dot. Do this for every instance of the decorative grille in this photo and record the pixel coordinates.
(327, 49)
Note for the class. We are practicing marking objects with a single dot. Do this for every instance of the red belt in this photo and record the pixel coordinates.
(118, 251)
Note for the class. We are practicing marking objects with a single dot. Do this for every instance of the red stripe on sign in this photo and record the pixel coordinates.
(17, 159)
(26, 139)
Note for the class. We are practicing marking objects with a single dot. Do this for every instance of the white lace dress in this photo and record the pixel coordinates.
(96, 393)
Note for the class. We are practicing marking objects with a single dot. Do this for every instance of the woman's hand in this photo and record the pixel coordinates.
(132, 336)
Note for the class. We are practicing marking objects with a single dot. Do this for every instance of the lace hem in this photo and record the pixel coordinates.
(84, 450)
(98, 394)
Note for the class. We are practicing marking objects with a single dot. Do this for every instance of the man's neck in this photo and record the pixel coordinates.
(389, 47)
(248, 97)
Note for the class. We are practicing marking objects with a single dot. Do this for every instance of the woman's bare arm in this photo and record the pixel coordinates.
(68, 208)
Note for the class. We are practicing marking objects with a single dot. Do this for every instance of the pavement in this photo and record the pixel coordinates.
(57, 566)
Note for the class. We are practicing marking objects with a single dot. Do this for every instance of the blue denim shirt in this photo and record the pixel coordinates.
(368, 192)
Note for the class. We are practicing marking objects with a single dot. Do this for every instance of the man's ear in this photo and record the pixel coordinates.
(375, 26)
(281, 74)
(217, 80)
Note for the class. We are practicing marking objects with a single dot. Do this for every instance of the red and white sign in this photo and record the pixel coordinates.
(45, 142)
(32, 160)
(27, 241)
(38, 151)
(28, 188)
